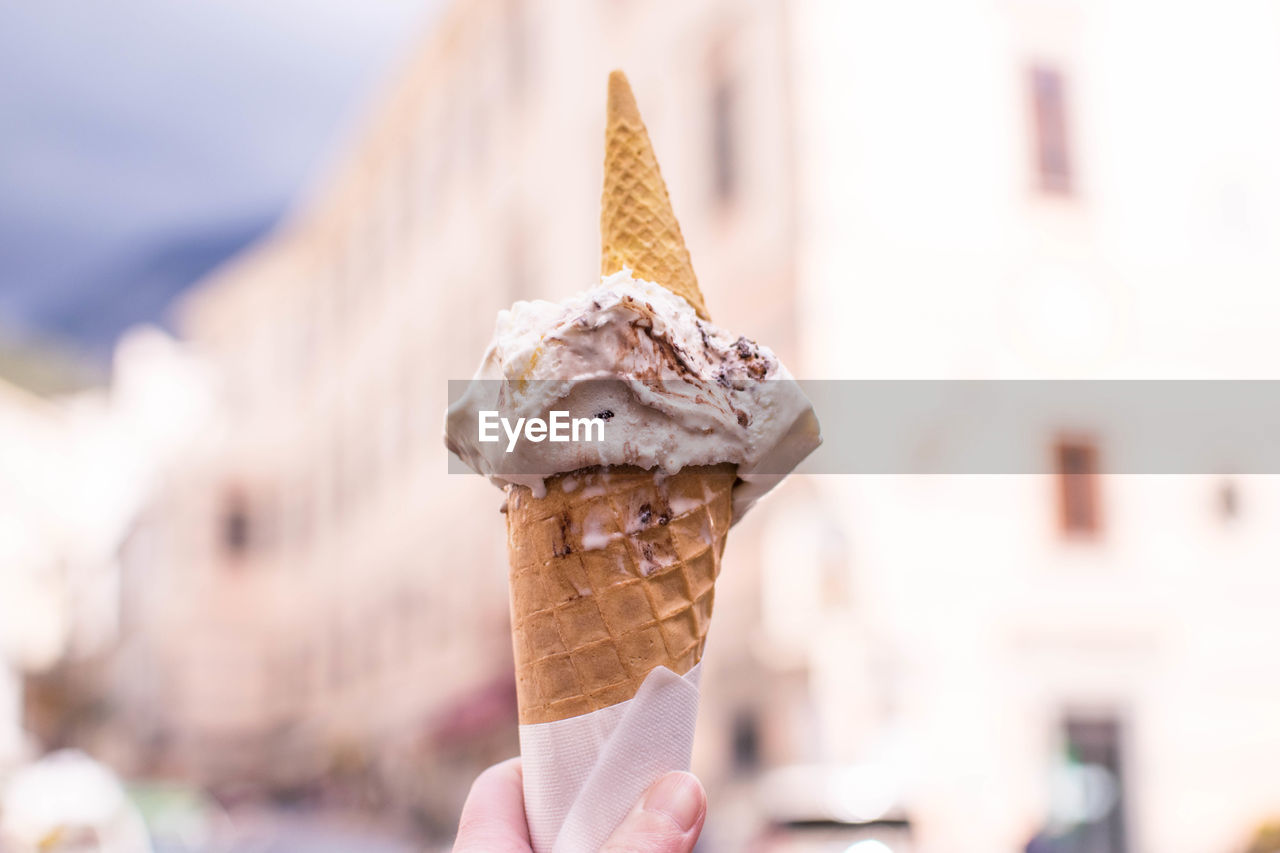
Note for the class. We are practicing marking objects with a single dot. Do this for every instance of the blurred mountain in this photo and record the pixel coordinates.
(92, 308)
(144, 141)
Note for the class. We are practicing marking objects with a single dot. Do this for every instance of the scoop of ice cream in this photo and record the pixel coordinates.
(671, 389)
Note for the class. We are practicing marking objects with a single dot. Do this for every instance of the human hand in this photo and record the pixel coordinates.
(668, 818)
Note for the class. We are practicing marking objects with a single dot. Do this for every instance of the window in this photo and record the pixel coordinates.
(235, 528)
(1228, 500)
(1076, 466)
(1049, 119)
(724, 152)
(745, 740)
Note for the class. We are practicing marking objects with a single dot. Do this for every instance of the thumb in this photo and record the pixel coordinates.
(668, 818)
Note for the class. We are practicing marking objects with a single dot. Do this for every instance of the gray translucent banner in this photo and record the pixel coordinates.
(1037, 427)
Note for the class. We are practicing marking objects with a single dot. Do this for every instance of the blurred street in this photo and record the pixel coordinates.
(301, 833)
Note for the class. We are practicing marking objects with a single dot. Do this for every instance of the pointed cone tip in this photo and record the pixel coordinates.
(622, 101)
(659, 255)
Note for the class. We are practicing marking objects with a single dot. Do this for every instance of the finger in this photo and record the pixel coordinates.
(493, 817)
(668, 819)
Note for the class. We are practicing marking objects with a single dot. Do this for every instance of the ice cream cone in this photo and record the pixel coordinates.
(613, 570)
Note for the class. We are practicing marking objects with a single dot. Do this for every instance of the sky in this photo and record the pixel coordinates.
(144, 141)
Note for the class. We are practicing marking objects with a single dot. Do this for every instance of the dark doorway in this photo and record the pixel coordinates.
(1094, 744)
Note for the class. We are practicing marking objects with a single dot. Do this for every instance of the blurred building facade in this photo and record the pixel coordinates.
(993, 190)
(1045, 191)
(33, 625)
(76, 461)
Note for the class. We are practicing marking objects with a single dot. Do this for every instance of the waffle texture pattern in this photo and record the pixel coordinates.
(638, 228)
(612, 574)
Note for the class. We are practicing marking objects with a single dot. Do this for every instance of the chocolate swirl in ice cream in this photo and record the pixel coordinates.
(680, 391)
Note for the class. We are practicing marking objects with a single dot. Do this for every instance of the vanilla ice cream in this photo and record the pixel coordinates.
(673, 390)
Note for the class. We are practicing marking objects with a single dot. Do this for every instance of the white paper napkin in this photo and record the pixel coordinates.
(582, 775)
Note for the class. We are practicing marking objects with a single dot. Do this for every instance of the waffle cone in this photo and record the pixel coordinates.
(612, 574)
(613, 570)
(638, 228)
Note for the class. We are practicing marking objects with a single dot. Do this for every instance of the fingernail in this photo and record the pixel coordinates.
(677, 795)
